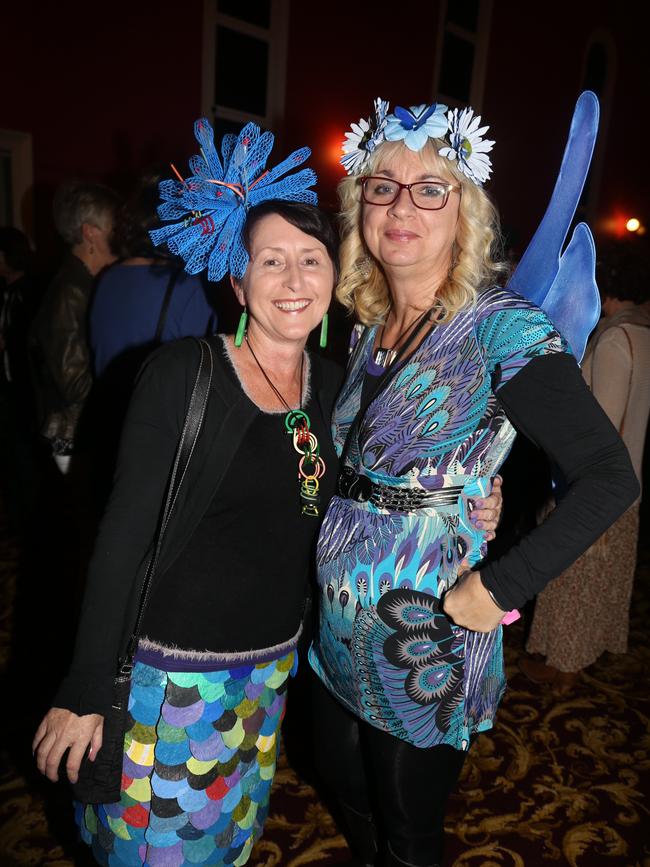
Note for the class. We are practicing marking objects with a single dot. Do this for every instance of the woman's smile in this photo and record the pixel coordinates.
(296, 305)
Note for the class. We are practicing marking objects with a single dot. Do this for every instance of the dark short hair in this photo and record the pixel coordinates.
(78, 202)
(16, 248)
(623, 269)
(308, 218)
(138, 216)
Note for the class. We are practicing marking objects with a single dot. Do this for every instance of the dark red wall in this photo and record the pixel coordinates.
(534, 76)
(340, 59)
(109, 90)
(105, 89)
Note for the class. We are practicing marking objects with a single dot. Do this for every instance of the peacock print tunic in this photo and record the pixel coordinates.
(428, 444)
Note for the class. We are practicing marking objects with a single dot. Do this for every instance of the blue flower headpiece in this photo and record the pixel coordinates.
(460, 129)
(207, 211)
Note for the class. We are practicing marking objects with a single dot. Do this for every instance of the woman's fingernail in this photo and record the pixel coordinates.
(480, 525)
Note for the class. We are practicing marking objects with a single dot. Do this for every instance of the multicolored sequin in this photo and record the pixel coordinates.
(199, 760)
(383, 647)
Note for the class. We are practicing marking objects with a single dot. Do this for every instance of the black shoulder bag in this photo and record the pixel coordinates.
(100, 780)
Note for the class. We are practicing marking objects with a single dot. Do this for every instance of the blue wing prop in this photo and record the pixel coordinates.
(563, 284)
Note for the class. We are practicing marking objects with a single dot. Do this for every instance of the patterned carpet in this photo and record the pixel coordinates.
(557, 782)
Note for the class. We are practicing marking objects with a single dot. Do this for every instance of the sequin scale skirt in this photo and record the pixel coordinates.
(199, 761)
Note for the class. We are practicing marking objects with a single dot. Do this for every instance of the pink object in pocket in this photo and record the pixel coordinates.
(510, 617)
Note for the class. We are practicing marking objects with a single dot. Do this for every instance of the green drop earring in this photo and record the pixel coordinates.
(241, 328)
(323, 331)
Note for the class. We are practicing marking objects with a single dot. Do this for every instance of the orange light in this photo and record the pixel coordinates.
(333, 149)
(618, 224)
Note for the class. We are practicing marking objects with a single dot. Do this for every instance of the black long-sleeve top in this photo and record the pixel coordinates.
(149, 440)
(549, 403)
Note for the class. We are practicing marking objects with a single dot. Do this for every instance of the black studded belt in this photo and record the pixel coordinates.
(352, 486)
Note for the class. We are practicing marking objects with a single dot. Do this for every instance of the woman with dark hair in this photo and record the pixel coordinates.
(222, 624)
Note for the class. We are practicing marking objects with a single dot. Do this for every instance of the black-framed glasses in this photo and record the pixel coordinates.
(428, 195)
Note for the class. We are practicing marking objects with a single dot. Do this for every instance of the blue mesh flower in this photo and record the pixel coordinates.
(207, 211)
(415, 125)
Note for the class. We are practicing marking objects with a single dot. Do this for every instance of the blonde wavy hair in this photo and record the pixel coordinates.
(475, 257)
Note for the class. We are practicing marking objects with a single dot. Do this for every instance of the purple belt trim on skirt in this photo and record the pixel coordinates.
(168, 660)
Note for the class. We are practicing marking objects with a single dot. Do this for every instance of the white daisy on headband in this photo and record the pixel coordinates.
(364, 138)
(468, 146)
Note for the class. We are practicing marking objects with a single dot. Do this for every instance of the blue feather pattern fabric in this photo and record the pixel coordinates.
(199, 760)
(384, 647)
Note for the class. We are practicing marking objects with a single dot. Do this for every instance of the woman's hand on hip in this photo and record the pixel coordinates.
(486, 513)
(60, 730)
(468, 604)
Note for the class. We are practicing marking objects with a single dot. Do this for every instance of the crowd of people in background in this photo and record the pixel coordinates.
(72, 336)
(72, 344)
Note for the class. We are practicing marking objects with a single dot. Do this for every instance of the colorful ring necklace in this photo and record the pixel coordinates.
(311, 466)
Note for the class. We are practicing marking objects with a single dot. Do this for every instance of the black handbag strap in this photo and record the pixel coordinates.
(189, 435)
(162, 317)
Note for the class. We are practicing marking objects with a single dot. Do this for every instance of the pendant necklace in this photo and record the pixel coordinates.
(311, 466)
(385, 355)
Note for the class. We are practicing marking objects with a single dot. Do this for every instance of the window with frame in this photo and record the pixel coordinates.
(463, 39)
(244, 63)
(16, 180)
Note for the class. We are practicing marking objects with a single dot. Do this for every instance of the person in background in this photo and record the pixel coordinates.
(17, 412)
(141, 301)
(83, 215)
(146, 297)
(585, 611)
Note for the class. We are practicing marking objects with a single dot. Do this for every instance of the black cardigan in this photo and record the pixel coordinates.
(150, 436)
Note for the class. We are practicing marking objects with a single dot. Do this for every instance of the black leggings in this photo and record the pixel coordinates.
(373, 773)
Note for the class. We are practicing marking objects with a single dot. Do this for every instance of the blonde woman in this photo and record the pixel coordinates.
(446, 365)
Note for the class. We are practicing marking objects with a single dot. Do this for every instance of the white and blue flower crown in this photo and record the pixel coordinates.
(461, 129)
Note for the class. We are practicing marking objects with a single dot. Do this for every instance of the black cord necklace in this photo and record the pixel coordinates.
(267, 378)
(311, 466)
(385, 355)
